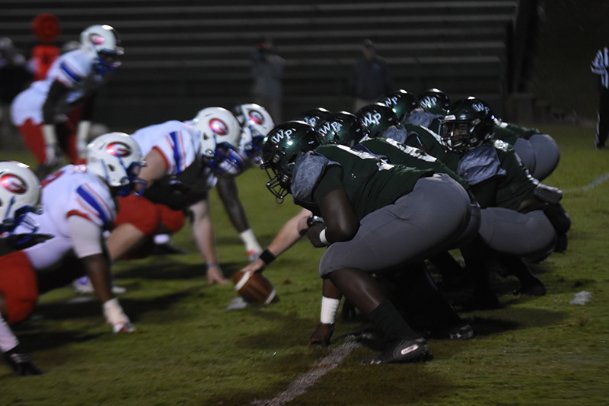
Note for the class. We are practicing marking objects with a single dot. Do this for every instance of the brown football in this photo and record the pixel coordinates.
(254, 287)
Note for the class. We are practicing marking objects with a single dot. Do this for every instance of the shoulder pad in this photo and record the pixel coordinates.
(308, 169)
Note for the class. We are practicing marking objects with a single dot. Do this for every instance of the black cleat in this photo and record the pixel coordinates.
(404, 351)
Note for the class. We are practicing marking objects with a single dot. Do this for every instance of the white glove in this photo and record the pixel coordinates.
(117, 318)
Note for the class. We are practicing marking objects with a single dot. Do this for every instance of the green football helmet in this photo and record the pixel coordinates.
(343, 129)
(434, 101)
(401, 102)
(376, 118)
(313, 116)
(282, 145)
(468, 124)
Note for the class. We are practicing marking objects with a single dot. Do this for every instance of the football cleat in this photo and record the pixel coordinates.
(404, 351)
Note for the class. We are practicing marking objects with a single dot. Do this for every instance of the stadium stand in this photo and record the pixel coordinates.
(184, 54)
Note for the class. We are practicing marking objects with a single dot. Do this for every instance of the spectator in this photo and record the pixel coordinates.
(267, 72)
(599, 66)
(370, 78)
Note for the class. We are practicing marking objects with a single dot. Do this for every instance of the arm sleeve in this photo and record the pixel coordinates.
(86, 236)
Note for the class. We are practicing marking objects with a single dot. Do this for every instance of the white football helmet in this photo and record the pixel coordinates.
(101, 42)
(19, 194)
(117, 159)
(256, 122)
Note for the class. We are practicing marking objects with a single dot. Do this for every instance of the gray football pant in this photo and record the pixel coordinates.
(547, 155)
(512, 232)
(432, 217)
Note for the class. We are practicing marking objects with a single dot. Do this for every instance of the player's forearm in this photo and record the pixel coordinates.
(98, 271)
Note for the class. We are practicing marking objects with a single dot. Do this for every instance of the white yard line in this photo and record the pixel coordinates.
(306, 380)
(596, 182)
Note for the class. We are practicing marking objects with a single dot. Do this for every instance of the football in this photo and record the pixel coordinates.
(255, 287)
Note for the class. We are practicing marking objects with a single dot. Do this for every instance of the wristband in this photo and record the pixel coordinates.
(267, 256)
(212, 265)
(329, 307)
(322, 237)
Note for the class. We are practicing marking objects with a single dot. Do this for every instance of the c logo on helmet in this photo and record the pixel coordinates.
(218, 126)
(118, 149)
(96, 39)
(13, 183)
(256, 117)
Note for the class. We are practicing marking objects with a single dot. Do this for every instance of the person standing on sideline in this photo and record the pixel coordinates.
(599, 66)
(370, 78)
(267, 72)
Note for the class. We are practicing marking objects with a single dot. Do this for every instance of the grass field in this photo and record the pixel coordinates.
(189, 350)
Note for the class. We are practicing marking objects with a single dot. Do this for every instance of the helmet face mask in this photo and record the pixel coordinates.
(256, 122)
(226, 161)
(19, 195)
(283, 145)
(117, 159)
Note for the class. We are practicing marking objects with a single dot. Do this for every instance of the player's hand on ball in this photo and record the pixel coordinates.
(322, 334)
(254, 287)
(21, 362)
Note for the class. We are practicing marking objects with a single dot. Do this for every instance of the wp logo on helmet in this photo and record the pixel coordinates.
(13, 183)
(281, 134)
(118, 149)
(371, 118)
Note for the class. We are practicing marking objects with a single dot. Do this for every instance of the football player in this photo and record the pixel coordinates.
(357, 193)
(78, 206)
(54, 114)
(520, 216)
(180, 158)
(19, 195)
(255, 123)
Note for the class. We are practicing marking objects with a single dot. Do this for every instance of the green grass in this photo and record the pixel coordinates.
(189, 350)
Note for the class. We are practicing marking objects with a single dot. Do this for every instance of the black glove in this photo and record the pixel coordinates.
(20, 362)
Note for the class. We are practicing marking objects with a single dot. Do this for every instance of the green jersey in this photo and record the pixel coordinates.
(400, 154)
(370, 182)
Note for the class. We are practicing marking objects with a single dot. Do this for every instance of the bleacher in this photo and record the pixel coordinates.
(184, 55)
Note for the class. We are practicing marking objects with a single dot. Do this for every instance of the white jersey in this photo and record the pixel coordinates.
(71, 191)
(176, 141)
(74, 70)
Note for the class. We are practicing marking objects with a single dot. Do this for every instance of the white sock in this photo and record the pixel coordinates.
(250, 241)
(8, 341)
